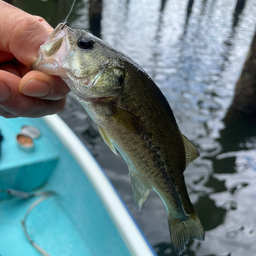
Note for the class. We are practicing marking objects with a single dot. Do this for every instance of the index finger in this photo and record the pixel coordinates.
(21, 31)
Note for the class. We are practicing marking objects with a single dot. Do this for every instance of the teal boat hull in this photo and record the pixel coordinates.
(75, 221)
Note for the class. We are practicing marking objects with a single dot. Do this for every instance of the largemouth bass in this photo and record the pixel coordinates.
(133, 118)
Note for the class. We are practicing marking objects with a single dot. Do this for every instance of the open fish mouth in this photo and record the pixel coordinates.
(53, 52)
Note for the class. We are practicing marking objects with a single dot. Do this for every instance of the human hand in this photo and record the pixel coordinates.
(24, 92)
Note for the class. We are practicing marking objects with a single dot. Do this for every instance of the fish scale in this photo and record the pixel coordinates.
(133, 118)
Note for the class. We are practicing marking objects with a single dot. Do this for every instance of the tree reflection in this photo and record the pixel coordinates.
(95, 10)
(240, 4)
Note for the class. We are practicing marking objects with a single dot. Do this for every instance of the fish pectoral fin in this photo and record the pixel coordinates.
(107, 140)
(191, 151)
(126, 119)
(140, 189)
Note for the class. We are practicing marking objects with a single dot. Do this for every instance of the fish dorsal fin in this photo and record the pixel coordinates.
(191, 151)
(140, 189)
(107, 140)
(126, 119)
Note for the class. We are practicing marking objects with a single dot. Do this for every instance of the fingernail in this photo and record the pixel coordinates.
(5, 92)
(36, 88)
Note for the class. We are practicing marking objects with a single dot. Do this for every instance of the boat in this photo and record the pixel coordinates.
(55, 199)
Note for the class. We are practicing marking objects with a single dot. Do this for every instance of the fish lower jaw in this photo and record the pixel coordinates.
(85, 93)
(50, 67)
(95, 99)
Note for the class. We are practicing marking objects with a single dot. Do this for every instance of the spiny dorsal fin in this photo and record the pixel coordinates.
(190, 149)
(140, 189)
(107, 140)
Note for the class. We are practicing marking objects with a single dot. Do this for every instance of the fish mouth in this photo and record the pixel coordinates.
(60, 31)
(48, 66)
(53, 52)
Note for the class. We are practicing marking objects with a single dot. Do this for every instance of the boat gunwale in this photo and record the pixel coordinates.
(124, 222)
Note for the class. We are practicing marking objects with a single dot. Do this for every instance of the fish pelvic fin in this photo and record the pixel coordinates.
(107, 140)
(140, 189)
(181, 231)
(190, 149)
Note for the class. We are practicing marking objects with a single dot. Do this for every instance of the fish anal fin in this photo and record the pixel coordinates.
(126, 119)
(140, 189)
(190, 149)
(107, 140)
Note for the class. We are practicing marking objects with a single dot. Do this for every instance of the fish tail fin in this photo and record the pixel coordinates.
(181, 231)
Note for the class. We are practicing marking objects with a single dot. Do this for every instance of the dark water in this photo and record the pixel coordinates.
(194, 50)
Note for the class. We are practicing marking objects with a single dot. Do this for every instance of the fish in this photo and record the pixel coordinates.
(133, 117)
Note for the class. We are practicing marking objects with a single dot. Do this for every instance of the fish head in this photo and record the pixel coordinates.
(90, 67)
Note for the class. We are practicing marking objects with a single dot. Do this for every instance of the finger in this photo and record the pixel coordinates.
(17, 104)
(5, 56)
(10, 68)
(21, 31)
(46, 25)
(6, 114)
(39, 85)
(15, 68)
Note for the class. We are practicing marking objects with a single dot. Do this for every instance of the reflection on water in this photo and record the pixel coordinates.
(194, 50)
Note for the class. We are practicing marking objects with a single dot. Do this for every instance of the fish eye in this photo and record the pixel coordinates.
(85, 43)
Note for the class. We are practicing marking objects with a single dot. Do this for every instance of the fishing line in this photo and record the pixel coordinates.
(43, 195)
(71, 9)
